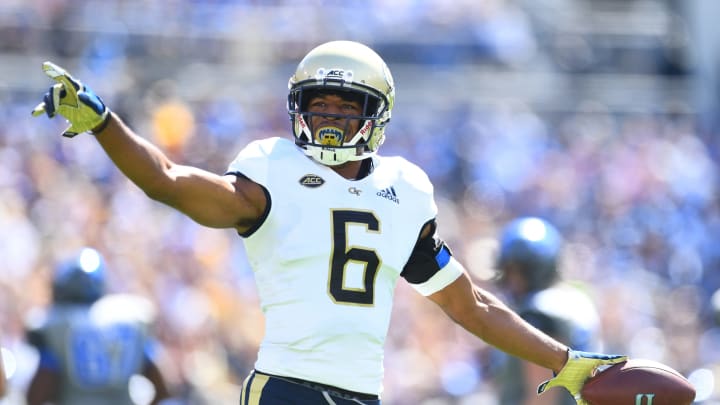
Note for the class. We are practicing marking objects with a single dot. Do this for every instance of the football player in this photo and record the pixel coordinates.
(329, 226)
(91, 343)
(527, 264)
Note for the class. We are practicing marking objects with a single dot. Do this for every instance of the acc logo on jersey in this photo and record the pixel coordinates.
(311, 180)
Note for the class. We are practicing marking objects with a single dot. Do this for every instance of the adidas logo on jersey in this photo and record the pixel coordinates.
(389, 193)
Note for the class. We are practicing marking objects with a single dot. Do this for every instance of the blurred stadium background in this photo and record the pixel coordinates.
(599, 115)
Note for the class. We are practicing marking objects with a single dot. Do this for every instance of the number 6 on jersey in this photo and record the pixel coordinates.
(344, 255)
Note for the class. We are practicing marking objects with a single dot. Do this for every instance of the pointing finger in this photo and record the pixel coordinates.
(63, 77)
(39, 110)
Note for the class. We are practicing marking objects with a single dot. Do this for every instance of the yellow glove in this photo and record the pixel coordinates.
(76, 102)
(579, 367)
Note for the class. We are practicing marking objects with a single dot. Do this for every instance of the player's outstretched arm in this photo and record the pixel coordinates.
(208, 198)
(484, 315)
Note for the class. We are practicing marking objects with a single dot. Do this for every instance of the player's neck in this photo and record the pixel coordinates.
(354, 170)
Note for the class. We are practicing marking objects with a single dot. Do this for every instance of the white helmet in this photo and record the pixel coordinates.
(352, 70)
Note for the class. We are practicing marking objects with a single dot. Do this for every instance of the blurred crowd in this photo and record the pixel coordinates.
(634, 191)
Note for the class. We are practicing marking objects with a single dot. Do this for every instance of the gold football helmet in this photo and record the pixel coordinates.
(351, 70)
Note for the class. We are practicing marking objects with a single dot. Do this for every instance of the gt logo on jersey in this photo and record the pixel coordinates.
(311, 180)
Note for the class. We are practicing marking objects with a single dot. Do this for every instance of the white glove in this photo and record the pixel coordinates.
(579, 367)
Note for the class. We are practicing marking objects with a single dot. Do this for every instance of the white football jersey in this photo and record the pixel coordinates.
(326, 260)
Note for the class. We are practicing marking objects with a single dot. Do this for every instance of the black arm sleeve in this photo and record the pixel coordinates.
(427, 258)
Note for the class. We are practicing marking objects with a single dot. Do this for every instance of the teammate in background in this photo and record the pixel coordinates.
(527, 265)
(329, 226)
(91, 344)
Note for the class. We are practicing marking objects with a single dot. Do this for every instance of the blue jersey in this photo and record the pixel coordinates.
(96, 348)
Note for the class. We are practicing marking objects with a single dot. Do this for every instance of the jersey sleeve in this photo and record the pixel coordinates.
(252, 161)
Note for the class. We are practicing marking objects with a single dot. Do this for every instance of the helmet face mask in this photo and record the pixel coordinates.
(353, 72)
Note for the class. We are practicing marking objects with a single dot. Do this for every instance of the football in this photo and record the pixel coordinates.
(638, 382)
